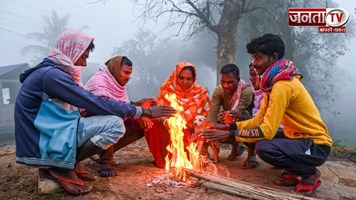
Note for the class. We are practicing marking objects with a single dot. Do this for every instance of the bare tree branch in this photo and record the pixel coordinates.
(252, 9)
(179, 10)
(202, 16)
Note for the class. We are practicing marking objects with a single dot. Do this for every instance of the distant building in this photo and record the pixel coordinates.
(9, 87)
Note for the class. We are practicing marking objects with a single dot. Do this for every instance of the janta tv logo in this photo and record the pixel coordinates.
(328, 20)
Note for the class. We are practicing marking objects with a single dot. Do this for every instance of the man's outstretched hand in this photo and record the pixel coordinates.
(159, 111)
(216, 135)
(211, 125)
(146, 102)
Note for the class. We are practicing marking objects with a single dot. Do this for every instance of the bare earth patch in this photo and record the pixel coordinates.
(138, 178)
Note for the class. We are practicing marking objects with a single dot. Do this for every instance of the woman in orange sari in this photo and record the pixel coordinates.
(195, 101)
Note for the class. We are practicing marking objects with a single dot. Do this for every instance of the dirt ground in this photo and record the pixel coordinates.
(139, 179)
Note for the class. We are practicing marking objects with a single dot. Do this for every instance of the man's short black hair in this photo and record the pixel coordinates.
(125, 61)
(267, 44)
(231, 68)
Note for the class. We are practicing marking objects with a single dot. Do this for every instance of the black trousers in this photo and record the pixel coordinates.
(299, 156)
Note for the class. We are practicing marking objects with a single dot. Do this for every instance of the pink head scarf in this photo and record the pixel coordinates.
(104, 84)
(237, 94)
(71, 44)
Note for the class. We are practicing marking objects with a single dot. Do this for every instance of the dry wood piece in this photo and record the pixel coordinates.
(245, 189)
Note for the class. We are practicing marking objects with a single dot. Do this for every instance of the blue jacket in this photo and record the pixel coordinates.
(47, 115)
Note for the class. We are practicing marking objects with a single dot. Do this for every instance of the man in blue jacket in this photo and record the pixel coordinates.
(48, 128)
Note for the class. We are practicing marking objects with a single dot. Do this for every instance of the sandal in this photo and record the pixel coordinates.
(96, 159)
(307, 189)
(65, 183)
(286, 172)
(85, 175)
(287, 180)
(107, 172)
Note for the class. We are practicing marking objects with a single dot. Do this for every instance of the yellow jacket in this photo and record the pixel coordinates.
(288, 103)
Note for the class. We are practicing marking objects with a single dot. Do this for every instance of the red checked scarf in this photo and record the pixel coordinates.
(279, 70)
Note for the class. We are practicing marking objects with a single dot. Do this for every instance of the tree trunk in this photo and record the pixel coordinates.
(287, 35)
(227, 32)
(288, 41)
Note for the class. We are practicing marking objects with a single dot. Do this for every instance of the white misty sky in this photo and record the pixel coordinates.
(345, 103)
(110, 23)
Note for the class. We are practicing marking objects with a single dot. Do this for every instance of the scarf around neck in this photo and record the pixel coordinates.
(103, 83)
(280, 70)
(237, 94)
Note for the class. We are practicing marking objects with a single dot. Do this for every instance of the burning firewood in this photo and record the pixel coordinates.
(181, 157)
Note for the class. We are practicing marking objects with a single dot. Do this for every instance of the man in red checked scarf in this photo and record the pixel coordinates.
(286, 101)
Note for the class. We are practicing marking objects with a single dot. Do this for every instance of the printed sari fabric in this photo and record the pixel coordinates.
(195, 101)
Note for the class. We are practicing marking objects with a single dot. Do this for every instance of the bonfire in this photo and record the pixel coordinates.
(179, 159)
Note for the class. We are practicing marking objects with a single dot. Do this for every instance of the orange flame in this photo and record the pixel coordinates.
(178, 160)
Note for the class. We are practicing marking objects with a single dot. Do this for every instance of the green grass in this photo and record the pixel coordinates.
(342, 151)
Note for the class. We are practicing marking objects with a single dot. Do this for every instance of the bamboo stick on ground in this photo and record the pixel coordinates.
(245, 189)
(232, 191)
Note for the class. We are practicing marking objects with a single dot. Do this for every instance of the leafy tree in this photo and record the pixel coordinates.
(154, 59)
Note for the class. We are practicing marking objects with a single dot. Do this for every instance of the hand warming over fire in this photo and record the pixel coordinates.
(221, 116)
(215, 135)
(159, 111)
(217, 126)
(146, 102)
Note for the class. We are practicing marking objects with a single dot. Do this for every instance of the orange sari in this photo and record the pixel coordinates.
(195, 101)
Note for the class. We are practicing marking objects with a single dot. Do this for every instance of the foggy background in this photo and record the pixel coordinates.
(154, 49)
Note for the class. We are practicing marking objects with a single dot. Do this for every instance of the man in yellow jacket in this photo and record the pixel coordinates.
(306, 143)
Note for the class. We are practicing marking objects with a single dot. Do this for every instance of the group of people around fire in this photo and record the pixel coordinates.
(59, 121)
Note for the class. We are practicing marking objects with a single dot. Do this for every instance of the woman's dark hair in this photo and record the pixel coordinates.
(125, 61)
(267, 44)
(91, 46)
(231, 68)
(191, 69)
